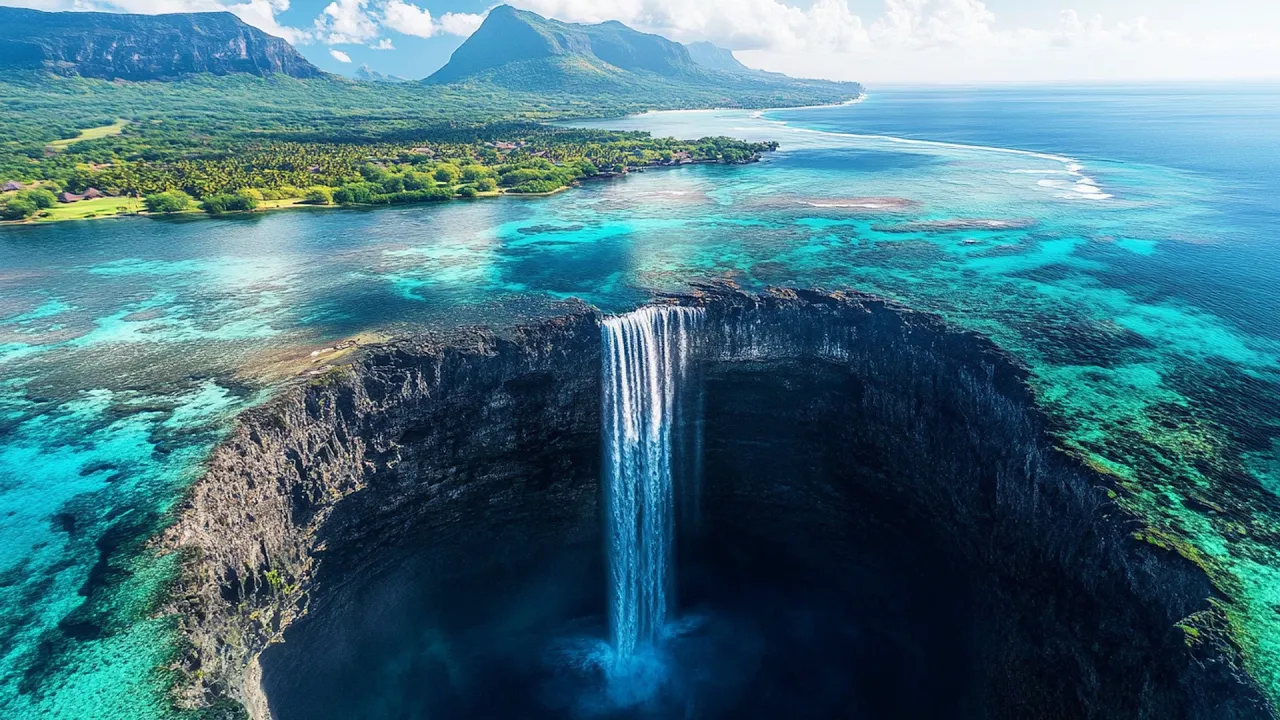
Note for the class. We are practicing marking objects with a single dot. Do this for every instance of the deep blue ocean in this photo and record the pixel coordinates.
(1227, 136)
(1119, 241)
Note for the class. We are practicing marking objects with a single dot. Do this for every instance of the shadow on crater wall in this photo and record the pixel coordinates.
(885, 531)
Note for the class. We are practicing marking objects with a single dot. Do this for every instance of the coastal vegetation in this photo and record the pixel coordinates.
(25, 203)
(172, 201)
(236, 173)
(269, 129)
(94, 133)
(265, 128)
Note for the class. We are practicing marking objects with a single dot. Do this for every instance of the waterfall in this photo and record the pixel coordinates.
(645, 361)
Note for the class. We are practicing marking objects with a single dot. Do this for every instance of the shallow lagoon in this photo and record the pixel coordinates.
(1125, 255)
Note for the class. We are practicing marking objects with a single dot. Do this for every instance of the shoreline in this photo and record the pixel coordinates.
(293, 203)
(599, 119)
(297, 204)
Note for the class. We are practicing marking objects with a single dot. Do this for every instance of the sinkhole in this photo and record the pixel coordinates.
(792, 505)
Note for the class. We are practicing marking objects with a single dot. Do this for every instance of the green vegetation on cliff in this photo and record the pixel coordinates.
(143, 47)
(610, 63)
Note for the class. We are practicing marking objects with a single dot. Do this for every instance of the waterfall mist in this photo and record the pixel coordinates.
(646, 358)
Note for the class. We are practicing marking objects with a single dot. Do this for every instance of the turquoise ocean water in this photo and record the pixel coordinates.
(1119, 241)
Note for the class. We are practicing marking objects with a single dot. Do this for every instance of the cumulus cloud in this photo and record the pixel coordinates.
(778, 25)
(340, 56)
(346, 22)
(341, 22)
(1073, 31)
(262, 15)
(461, 24)
(736, 24)
(902, 40)
(830, 26)
(410, 19)
(929, 23)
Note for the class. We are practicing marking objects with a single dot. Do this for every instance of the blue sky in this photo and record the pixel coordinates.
(885, 41)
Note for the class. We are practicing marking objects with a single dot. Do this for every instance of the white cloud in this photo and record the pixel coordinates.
(903, 41)
(340, 56)
(830, 26)
(1072, 31)
(383, 44)
(346, 22)
(262, 15)
(461, 24)
(410, 19)
(736, 24)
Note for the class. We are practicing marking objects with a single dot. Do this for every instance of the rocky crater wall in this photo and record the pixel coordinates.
(432, 433)
(840, 423)
(834, 426)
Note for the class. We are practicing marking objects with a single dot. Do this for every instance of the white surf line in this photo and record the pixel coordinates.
(1085, 187)
(753, 114)
(759, 114)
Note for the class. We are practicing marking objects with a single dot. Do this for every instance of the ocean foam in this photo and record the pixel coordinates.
(1071, 166)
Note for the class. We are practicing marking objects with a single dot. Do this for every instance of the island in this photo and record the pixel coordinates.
(98, 135)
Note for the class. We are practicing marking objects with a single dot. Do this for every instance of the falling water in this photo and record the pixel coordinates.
(646, 359)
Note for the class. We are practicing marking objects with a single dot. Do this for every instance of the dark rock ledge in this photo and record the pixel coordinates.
(934, 429)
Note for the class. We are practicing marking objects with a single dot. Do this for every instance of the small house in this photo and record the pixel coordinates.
(90, 194)
(13, 185)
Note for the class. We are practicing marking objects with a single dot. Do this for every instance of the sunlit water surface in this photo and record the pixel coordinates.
(1118, 241)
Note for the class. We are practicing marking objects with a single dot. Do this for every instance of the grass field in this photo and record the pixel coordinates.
(113, 206)
(277, 204)
(98, 207)
(96, 133)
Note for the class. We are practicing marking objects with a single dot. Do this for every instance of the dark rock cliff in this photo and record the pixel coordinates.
(887, 427)
(143, 47)
(420, 433)
(835, 426)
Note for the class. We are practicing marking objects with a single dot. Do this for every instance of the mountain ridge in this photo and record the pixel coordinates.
(551, 67)
(119, 46)
(522, 51)
(368, 74)
(509, 35)
(714, 57)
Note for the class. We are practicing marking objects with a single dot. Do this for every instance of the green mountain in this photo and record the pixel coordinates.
(143, 47)
(713, 57)
(517, 50)
(368, 74)
(512, 39)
